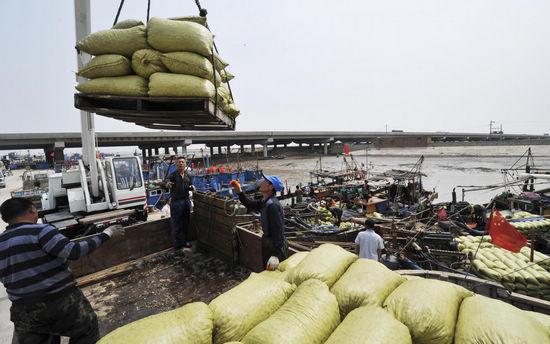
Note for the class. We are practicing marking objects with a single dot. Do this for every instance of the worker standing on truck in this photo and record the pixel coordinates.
(46, 303)
(274, 243)
(180, 183)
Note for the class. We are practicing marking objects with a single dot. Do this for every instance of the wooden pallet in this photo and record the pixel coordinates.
(182, 113)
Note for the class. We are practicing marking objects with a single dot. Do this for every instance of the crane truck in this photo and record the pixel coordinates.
(97, 192)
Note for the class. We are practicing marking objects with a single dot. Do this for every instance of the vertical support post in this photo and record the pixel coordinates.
(220, 150)
(325, 148)
(166, 150)
(211, 150)
(83, 28)
(157, 151)
(265, 150)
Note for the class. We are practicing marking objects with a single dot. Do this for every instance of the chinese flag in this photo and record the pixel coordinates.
(346, 149)
(503, 234)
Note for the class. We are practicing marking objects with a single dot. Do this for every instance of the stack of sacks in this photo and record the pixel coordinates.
(513, 270)
(166, 58)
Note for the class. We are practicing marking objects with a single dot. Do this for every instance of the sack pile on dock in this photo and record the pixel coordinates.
(328, 296)
(524, 222)
(513, 270)
(165, 58)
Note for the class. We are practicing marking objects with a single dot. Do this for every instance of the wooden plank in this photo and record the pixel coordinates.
(117, 270)
(138, 241)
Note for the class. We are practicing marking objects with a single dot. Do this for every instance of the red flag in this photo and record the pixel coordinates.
(503, 234)
(346, 149)
(52, 154)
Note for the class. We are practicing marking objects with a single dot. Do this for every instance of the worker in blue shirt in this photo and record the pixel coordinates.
(274, 243)
(46, 303)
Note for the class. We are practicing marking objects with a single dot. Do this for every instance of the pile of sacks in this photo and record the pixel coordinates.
(512, 270)
(165, 58)
(330, 296)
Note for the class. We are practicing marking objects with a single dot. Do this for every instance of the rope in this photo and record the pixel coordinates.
(232, 206)
(148, 9)
(118, 12)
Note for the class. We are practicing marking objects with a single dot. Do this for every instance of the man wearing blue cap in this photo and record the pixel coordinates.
(272, 219)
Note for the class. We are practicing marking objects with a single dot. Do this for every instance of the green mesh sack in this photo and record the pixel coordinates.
(172, 35)
(428, 308)
(370, 324)
(106, 65)
(179, 85)
(115, 41)
(485, 320)
(129, 85)
(220, 63)
(146, 62)
(542, 318)
(366, 282)
(226, 75)
(128, 23)
(194, 19)
(238, 310)
(309, 316)
(191, 323)
(185, 62)
(292, 261)
(326, 263)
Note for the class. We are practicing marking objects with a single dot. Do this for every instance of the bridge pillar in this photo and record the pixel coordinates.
(157, 151)
(149, 152)
(325, 148)
(265, 150)
(58, 157)
(228, 150)
(186, 143)
(49, 154)
(242, 149)
(166, 150)
(211, 150)
(253, 149)
(220, 150)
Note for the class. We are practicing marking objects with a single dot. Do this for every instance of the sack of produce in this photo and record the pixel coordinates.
(370, 324)
(429, 309)
(186, 62)
(146, 62)
(366, 282)
(226, 75)
(326, 263)
(308, 316)
(194, 19)
(191, 323)
(129, 85)
(485, 320)
(542, 318)
(230, 109)
(173, 35)
(280, 275)
(238, 310)
(106, 65)
(179, 85)
(115, 41)
(220, 63)
(292, 261)
(128, 23)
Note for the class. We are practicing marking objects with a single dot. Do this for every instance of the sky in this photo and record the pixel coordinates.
(423, 65)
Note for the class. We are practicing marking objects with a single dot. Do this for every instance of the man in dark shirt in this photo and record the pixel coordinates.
(272, 217)
(46, 303)
(180, 183)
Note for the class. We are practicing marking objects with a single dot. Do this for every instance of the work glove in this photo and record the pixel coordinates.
(169, 185)
(192, 188)
(114, 231)
(235, 184)
(272, 263)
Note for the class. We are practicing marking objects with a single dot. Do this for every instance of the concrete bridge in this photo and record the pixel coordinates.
(152, 142)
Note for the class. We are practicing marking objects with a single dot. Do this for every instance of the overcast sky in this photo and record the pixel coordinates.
(429, 65)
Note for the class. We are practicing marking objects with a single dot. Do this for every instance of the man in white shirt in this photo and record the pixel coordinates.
(368, 243)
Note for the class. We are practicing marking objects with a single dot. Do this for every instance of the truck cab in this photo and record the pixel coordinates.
(71, 204)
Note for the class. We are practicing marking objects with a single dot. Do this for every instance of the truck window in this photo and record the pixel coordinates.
(127, 175)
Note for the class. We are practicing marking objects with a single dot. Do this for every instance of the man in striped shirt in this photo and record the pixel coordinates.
(46, 303)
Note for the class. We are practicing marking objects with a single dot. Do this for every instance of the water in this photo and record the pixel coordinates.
(446, 167)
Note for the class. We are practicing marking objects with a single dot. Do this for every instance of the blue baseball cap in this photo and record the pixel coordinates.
(277, 183)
